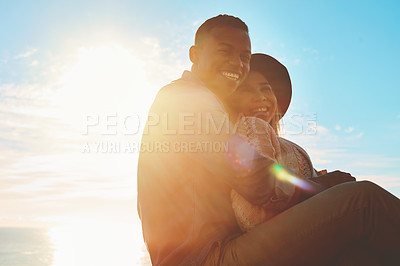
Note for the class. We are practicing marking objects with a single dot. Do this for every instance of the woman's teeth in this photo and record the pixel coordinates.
(231, 76)
(263, 109)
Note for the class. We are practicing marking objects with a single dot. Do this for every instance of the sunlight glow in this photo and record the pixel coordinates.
(104, 80)
(98, 243)
(108, 80)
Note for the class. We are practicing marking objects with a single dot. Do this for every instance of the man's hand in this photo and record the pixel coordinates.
(321, 172)
(333, 178)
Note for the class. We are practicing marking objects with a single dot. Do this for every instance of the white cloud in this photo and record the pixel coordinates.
(320, 161)
(310, 50)
(338, 128)
(196, 23)
(349, 129)
(34, 63)
(26, 54)
(376, 161)
(323, 130)
(153, 46)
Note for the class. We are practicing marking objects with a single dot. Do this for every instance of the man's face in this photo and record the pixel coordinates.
(222, 61)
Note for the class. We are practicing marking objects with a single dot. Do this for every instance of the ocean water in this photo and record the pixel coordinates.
(72, 246)
(25, 246)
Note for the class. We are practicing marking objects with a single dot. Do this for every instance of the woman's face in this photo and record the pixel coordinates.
(254, 98)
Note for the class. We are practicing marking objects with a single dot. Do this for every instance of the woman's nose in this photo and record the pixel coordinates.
(260, 96)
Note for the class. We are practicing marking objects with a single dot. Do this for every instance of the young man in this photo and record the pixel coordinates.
(191, 159)
(184, 187)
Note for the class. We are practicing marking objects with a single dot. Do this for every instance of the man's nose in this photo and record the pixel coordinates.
(236, 60)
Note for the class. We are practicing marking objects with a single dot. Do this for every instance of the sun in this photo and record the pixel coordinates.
(105, 79)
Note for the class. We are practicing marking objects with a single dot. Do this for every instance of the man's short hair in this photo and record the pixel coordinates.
(218, 21)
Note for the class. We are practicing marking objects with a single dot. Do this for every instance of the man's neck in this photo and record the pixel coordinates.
(206, 84)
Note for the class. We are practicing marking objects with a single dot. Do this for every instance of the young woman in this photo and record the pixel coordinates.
(256, 107)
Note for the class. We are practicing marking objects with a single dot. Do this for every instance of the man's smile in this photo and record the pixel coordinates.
(231, 75)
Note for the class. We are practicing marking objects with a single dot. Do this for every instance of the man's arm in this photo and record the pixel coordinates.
(199, 118)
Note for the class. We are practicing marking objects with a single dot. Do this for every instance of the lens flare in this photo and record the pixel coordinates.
(283, 174)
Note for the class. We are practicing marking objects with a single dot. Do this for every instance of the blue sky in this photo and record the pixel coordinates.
(64, 64)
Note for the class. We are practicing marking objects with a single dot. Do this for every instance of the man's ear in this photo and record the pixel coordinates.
(193, 54)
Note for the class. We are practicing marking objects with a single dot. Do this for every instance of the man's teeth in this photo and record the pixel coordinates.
(231, 76)
(263, 109)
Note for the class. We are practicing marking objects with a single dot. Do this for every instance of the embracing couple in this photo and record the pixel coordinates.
(260, 201)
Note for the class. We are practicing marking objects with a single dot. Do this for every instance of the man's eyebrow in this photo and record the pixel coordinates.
(227, 45)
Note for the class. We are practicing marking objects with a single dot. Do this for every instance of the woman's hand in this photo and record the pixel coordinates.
(333, 178)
